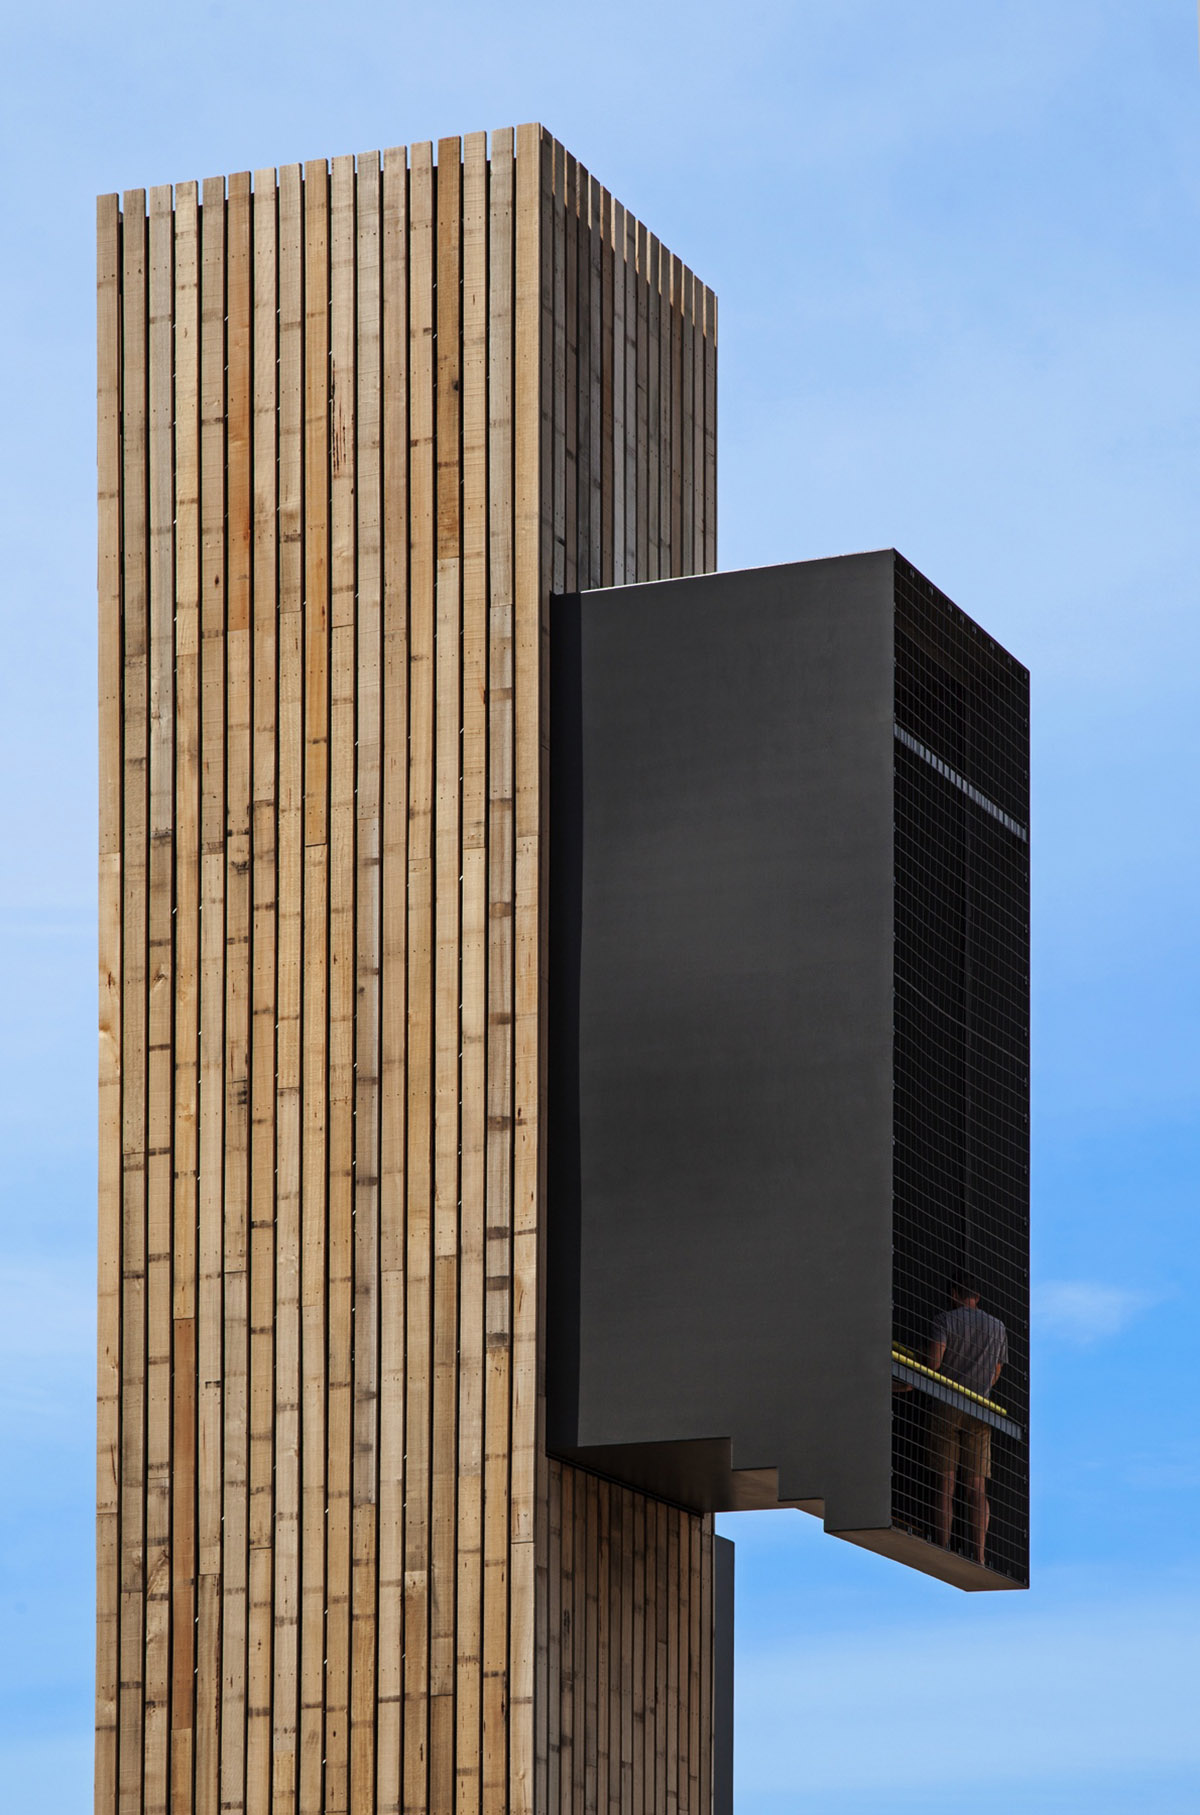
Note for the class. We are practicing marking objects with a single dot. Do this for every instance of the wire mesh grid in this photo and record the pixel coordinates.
(961, 1114)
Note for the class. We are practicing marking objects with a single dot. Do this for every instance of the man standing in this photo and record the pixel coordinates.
(969, 1347)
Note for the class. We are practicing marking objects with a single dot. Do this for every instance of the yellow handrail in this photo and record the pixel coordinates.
(910, 1361)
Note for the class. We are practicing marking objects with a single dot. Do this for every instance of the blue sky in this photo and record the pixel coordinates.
(957, 255)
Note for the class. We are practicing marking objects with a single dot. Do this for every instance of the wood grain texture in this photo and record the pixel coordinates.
(161, 798)
(393, 986)
(355, 422)
(447, 984)
(418, 1364)
(285, 1716)
(184, 1253)
(532, 560)
(472, 1236)
(314, 1057)
(135, 731)
(211, 1170)
(235, 1354)
(368, 959)
(343, 691)
(264, 806)
(499, 960)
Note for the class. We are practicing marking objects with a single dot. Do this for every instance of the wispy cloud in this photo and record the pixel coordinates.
(1084, 1311)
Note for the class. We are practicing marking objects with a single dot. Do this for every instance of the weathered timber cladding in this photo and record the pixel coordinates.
(356, 422)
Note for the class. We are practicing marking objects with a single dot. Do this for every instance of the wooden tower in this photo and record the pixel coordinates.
(356, 424)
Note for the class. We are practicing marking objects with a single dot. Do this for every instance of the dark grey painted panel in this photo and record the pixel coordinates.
(721, 1034)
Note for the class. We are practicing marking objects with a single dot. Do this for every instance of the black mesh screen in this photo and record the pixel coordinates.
(961, 1080)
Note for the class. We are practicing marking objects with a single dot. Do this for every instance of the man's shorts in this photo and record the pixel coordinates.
(956, 1440)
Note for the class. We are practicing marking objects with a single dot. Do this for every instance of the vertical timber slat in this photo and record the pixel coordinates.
(419, 1207)
(447, 981)
(285, 1727)
(394, 782)
(235, 1332)
(134, 716)
(210, 1245)
(187, 988)
(499, 835)
(314, 1065)
(159, 1130)
(474, 887)
(264, 806)
(530, 563)
(365, 1552)
(343, 682)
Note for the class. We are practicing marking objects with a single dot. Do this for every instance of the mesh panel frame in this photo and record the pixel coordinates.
(961, 1092)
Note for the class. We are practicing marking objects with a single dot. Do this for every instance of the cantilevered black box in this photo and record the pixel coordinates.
(789, 1045)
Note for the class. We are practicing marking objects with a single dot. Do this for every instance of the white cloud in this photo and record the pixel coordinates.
(1083, 1311)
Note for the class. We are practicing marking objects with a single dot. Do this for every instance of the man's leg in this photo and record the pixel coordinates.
(981, 1512)
(946, 1507)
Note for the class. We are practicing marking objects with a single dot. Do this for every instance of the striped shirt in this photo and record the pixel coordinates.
(976, 1345)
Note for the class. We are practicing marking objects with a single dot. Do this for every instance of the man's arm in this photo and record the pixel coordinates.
(1003, 1355)
(937, 1349)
